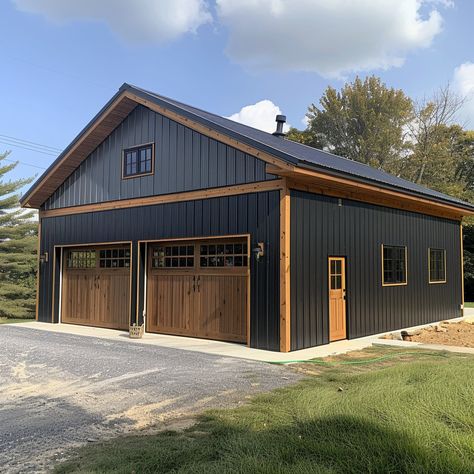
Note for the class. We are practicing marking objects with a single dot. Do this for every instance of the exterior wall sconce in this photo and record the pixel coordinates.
(259, 251)
(43, 257)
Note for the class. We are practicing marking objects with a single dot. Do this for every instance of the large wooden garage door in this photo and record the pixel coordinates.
(199, 289)
(96, 287)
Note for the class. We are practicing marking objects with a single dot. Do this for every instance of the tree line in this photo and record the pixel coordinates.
(420, 141)
(366, 121)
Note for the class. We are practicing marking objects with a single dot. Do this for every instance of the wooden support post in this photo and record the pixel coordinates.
(462, 268)
(38, 269)
(285, 306)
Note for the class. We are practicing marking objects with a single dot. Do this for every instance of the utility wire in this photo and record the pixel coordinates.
(27, 147)
(28, 142)
(23, 163)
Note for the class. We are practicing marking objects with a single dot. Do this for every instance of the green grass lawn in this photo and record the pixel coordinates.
(469, 305)
(407, 414)
(10, 321)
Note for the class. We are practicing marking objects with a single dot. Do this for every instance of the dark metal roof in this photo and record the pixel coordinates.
(287, 150)
(299, 154)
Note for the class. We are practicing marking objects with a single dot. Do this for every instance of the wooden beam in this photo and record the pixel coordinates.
(285, 294)
(38, 267)
(375, 195)
(260, 186)
(462, 267)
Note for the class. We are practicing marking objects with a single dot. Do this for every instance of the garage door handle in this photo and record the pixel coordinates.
(199, 283)
(194, 283)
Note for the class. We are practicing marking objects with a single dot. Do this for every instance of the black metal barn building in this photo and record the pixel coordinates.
(164, 214)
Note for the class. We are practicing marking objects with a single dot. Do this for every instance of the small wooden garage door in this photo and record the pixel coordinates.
(96, 287)
(199, 289)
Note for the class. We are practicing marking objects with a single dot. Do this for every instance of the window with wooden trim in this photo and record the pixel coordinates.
(336, 274)
(173, 256)
(138, 161)
(114, 258)
(437, 265)
(81, 259)
(223, 255)
(394, 265)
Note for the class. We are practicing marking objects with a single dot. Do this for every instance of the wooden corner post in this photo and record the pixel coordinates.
(38, 270)
(462, 268)
(285, 303)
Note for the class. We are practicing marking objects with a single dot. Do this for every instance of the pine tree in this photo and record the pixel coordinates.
(18, 248)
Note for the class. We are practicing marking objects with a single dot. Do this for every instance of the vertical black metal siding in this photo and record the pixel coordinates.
(185, 160)
(256, 214)
(320, 228)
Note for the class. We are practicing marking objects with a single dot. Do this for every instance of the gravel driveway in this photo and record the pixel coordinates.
(60, 390)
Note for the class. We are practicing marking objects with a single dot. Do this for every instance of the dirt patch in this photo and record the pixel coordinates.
(450, 334)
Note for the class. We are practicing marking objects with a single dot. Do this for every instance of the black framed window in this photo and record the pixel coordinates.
(394, 265)
(437, 265)
(138, 161)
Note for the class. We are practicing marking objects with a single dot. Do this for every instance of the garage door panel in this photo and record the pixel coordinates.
(223, 300)
(208, 298)
(170, 303)
(93, 292)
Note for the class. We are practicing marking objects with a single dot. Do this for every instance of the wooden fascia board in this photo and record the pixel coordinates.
(261, 186)
(98, 138)
(210, 132)
(90, 140)
(321, 183)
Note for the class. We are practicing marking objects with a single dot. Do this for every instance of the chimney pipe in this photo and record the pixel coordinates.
(280, 120)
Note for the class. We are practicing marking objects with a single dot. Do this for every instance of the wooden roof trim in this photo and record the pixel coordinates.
(210, 132)
(80, 150)
(343, 187)
(114, 114)
(259, 186)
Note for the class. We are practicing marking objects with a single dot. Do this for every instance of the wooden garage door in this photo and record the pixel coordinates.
(96, 287)
(199, 289)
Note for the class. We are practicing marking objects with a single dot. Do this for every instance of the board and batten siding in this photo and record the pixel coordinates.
(257, 214)
(321, 228)
(185, 160)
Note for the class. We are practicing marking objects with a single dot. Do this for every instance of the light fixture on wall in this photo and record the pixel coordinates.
(259, 251)
(43, 257)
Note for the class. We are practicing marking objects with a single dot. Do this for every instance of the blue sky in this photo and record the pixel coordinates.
(63, 59)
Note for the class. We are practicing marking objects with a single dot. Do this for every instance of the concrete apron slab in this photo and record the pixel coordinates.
(229, 349)
(226, 349)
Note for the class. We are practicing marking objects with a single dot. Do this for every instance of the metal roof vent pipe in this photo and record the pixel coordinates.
(280, 120)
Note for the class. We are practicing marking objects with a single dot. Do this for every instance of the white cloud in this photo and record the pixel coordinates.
(260, 115)
(133, 20)
(330, 37)
(464, 85)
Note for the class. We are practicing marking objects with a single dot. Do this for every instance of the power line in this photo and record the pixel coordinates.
(28, 142)
(23, 163)
(26, 147)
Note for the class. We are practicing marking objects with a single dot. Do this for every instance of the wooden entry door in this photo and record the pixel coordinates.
(96, 287)
(199, 289)
(337, 298)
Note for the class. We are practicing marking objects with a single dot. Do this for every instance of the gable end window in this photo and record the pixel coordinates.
(138, 161)
(394, 265)
(437, 265)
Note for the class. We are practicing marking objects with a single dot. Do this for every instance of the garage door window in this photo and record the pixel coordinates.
(173, 256)
(81, 259)
(114, 258)
(223, 255)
